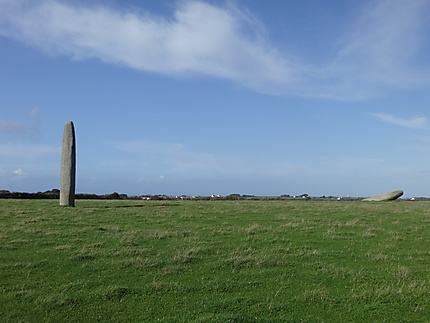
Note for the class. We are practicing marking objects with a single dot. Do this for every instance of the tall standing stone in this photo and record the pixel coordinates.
(68, 166)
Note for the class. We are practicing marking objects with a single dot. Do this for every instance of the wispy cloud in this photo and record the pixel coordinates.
(15, 127)
(381, 46)
(19, 172)
(176, 164)
(26, 152)
(178, 160)
(412, 122)
(7, 126)
(198, 38)
(21, 164)
(376, 54)
(9, 175)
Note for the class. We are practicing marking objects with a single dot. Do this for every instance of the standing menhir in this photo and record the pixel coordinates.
(68, 166)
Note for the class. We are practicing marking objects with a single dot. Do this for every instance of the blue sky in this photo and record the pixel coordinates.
(217, 97)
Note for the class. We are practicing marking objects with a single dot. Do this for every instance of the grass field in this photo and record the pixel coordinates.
(214, 261)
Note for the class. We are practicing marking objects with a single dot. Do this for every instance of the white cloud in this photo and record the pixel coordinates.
(29, 167)
(382, 47)
(350, 164)
(199, 38)
(378, 52)
(7, 126)
(412, 122)
(12, 173)
(14, 127)
(176, 160)
(19, 172)
(25, 153)
(184, 169)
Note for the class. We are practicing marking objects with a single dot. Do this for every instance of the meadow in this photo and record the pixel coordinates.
(214, 261)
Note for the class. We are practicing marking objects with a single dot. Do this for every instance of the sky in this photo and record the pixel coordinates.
(217, 97)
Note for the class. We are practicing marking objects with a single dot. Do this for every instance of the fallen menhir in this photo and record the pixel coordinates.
(386, 196)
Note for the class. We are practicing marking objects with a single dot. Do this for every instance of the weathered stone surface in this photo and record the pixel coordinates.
(68, 166)
(386, 196)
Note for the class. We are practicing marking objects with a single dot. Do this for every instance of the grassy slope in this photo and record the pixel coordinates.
(219, 261)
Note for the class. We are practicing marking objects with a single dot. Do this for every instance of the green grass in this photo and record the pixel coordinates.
(214, 261)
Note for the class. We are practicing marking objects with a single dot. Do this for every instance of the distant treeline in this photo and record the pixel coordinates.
(55, 194)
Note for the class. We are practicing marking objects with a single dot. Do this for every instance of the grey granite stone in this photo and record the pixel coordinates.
(386, 196)
(68, 166)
